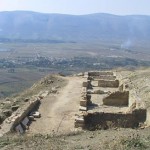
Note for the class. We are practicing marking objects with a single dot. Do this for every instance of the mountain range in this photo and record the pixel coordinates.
(26, 25)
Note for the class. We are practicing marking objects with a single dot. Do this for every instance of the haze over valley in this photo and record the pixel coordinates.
(67, 44)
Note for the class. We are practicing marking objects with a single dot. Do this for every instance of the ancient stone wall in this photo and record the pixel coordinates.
(25, 113)
(108, 83)
(116, 95)
(117, 99)
(99, 73)
(110, 120)
(103, 77)
(121, 88)
(18, 117)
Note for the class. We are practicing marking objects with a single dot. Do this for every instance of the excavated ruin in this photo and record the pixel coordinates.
(106, 103)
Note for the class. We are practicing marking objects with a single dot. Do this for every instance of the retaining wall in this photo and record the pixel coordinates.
(108, 83)
(117, 99)
(99, 73)
(103, 77)
(110, 120)
(25, 113)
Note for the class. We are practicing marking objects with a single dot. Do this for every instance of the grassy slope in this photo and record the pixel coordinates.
(13, 83)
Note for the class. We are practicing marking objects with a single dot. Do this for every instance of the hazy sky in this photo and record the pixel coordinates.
(120, 7)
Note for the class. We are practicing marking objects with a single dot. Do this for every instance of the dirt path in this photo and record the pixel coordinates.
(58, 111)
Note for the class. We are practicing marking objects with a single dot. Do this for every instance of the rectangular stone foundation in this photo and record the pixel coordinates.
(109, 108)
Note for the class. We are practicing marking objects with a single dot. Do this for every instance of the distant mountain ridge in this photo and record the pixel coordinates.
(26, 25)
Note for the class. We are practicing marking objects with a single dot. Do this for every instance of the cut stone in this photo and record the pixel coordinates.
(19, 129)
(81, 108)
(83, 103)
(14, 108)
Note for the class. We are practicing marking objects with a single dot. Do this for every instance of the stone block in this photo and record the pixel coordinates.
(14, 108)
(99, 73)
(7, 113)
(84, 90)
(81, 108)
(85, 84)
(108, 83)
(83, 103)
(19, 129)
(25, 121)
(36, 114)
(79, 122)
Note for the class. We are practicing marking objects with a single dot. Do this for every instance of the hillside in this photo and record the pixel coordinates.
(52, 130)
(59, 28)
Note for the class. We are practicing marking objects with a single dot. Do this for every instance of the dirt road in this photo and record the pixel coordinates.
(58, 110)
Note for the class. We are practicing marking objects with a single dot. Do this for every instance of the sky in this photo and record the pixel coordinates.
(79, 7)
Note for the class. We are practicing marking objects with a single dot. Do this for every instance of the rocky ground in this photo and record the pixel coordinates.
(53, 130)
(114, 139)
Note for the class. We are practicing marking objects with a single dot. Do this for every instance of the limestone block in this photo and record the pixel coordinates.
(81, 108)
(84, 96)
(98, 92)
(108, 83)
(7, 113)
(14, 108)
(85, 84)
(86, 75)
(36, 114)
(84, 90)
(121, 88)
(31, 118)
(79, 122)
(77, 125)
(99, 73)
(80, 74)
(83, 103)
(88, 97)
(105, 77)
(25, 121)
(19, 129)
(26, 99)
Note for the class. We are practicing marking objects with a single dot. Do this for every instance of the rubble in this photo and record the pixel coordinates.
(15, 107)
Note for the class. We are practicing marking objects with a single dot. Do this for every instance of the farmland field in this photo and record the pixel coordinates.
(21, 64)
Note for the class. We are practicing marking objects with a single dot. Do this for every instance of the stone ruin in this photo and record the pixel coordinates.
(106, 103)
(20, 120)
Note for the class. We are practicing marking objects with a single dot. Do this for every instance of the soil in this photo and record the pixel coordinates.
(58, 110)
(55, 129)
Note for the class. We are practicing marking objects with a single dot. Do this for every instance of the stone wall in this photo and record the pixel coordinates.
(32, 106)
(117, 99)
(110, 120)
(19, 117)
(86, 83)
(108, 83)
(103, 77)
(116, 95)
(85, 101)
(148, 117)
(99, 73)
